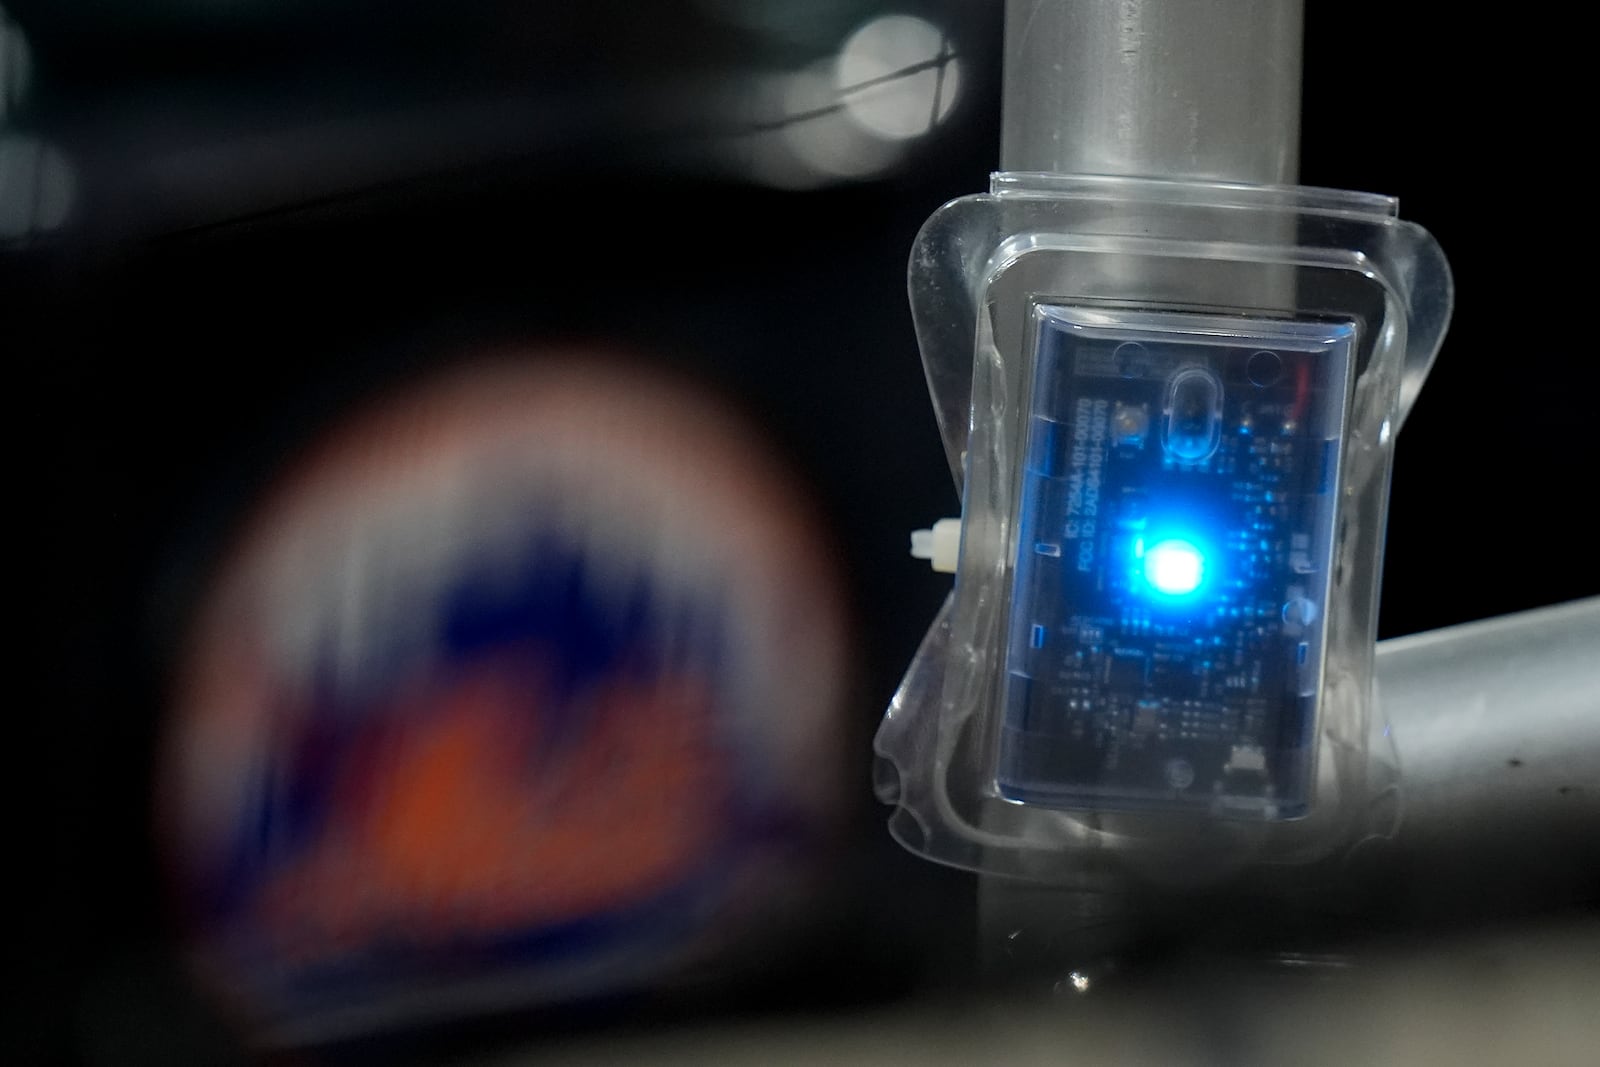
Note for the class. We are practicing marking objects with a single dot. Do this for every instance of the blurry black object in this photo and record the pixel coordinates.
(281, 206)
(239, 271)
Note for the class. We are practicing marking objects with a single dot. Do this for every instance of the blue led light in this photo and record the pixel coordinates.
(1174, 567)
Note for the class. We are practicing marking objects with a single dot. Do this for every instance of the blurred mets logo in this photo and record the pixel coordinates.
(550, 769)
(501, 683)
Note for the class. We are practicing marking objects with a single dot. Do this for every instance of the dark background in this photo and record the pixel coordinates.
(280, 207)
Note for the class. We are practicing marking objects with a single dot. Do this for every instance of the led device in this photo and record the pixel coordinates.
(1172, 567)
(1147, 664)
(1169, 408)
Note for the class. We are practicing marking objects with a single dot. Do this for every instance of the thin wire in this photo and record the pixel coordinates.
(944, 58)
(937, 63)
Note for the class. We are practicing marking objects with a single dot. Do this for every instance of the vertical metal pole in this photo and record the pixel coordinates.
(1180, 89)
(1196, 89)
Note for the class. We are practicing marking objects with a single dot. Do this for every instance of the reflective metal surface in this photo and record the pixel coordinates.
(1206, 89)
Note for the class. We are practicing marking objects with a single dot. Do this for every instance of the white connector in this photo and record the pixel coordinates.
(940, 546)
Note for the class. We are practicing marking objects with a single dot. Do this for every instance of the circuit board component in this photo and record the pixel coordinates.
(1173, 552)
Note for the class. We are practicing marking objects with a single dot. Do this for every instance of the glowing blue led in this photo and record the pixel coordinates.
(1174, 567)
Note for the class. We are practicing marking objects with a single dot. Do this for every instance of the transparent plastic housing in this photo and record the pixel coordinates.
(1170, 409)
